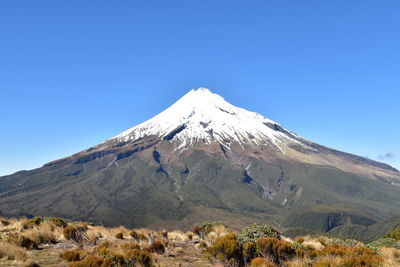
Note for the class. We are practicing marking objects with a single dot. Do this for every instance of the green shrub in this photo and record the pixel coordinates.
(71, 255)
(226, 249)
(119, 236)
(384, 242)
(254, 231)
(58, 222)
(347, 242)
(261, 262)
(275, 249)
(395, 234)
(36, 220)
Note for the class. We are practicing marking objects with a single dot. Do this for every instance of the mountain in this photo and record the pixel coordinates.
(204, 159)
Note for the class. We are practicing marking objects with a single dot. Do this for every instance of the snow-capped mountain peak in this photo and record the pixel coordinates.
(203, 115)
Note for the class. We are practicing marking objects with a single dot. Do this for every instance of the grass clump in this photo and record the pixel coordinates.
(274, 249)
(119, 236)
(204, 229)
(12, 252)
(138, 236)
(261, 262)
(75, 233)
(140, 258)
(255, 231)
(4, 222)
(226, 249)
(157, 247)
(249, 251)
(93, 261)
(23, 241)
(71, 255)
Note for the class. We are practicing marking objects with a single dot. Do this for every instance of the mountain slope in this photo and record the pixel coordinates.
(204, 159)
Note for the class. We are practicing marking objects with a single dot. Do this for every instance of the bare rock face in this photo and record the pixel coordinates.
(203, 159)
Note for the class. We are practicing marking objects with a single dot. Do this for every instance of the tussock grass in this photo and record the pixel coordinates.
(12, 252)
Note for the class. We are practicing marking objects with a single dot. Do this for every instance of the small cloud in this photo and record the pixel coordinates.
(387, 156)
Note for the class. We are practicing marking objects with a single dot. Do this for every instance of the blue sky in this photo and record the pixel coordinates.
(74, 73)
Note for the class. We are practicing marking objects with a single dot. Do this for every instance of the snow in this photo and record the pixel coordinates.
(207, 116)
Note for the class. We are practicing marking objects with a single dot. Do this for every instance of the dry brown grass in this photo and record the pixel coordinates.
(299, 262)
(216, 232)
(12, 252)
(391, 256)
(178, 236)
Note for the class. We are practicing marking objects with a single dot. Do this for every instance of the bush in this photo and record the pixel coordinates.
(93, 261)
(347, 242)
(254, 231)
(71, 255)
(249, 251)
(261, 262)
(157, 247)
(119, 236)
(384, 242)
(275, 249)
(58, 222)
(394, 234)
(36, 220)
(226, 249)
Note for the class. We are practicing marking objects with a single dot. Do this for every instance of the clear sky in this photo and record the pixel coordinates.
(74, 73)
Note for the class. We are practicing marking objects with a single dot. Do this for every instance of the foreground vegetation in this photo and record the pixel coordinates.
(56, 242)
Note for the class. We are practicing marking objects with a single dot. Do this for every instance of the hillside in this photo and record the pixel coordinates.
(204, 159)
